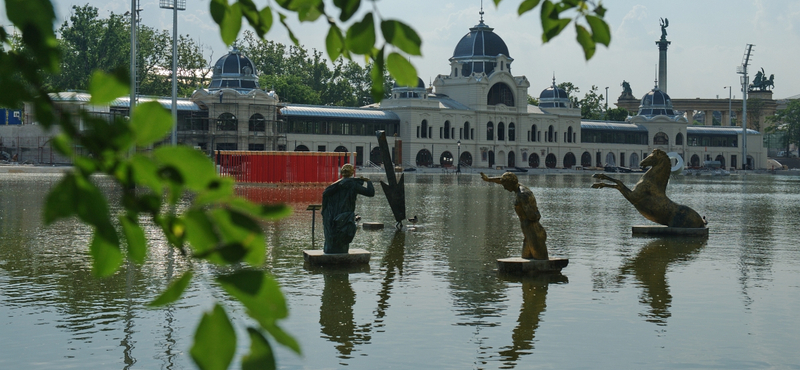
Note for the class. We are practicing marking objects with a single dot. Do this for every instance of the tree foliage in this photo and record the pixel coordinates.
(616, 114)
(787, 121)
(592, 104)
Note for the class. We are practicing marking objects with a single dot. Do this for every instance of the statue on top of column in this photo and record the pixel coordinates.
(664, 25)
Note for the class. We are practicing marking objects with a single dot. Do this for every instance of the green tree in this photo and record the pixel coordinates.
(532, 100)
(787, 121)
(755, 107)
(571, 91)
(616, 114)
(591, 104)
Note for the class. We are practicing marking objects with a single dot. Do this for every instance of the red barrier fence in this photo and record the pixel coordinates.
(281, 167)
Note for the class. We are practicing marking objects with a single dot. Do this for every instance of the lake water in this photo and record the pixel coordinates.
(430, 298)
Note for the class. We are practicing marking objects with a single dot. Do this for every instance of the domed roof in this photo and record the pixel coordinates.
(554, 97)
(480, 42)
(420, 84)
(234, 71)
(655, 103)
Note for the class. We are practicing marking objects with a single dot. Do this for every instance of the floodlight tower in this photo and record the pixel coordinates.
(742, 70)
(175, 5)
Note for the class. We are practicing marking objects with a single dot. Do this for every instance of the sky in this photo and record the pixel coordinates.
(708, 40)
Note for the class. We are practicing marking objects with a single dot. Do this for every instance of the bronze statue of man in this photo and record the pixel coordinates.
(338, 209)
(533, 245)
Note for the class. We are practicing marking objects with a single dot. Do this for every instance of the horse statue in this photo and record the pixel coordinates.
(768, 83)
(626, 89)
(649, 195)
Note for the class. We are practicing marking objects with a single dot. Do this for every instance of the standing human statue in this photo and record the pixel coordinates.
(533, 246)
(338, 209)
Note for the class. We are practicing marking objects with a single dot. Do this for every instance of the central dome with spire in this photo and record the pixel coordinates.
(480, 51)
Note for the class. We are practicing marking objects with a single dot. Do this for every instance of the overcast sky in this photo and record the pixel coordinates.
(708, 40)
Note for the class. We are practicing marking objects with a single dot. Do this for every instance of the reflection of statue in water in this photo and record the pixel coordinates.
(650, 266)
(525, 205)
(338, 209)
(649, 195)
(664, 24)
(336, 319)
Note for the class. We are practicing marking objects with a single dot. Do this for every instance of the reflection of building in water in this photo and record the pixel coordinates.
(650, 266)
(336, 314)
(534, 294)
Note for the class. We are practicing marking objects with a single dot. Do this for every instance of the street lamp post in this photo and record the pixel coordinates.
(458, 169)
(175, 5)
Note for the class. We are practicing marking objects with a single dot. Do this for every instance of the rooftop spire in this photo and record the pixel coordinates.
(481, 12)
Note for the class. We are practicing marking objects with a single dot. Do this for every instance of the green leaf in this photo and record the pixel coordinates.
(284, 338)
(263, 211)
(195, 169)
(377, 77)
(552, 25)
(526, 6)
(585, 39)
(174, 291)
(145, 172)
(150, 123)
(106, 256)
(260, 356)
(231, 23)
(289, 30)
(360, 37)
(61, 201)
(265, 15)
(104, 88)
(200, 231)
(334, 42)
(218, 8)
(600, 31)
(214, 341)
(137, 243)
(348, 8)
(404, 37)
(218, 190)
(236, 228)
(401, 69)
(258, 292)
(497, 2)
(35, 18)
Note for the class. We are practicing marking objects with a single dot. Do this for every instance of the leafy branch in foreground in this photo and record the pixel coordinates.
(217, 226)
(360, 38)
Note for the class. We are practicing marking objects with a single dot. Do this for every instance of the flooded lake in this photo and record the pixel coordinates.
(430, 298)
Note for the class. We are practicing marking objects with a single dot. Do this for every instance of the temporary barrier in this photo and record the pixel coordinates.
(281, 167)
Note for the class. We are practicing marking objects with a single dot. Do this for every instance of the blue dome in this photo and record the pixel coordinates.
(655, 103)
(480, 42)
(234, 71)
(554, 97)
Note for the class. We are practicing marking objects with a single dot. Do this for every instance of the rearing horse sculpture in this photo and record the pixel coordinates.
(649, 195)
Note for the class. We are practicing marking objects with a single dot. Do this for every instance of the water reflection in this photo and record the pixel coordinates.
(534, 296)
(391, 266)
(650, 266)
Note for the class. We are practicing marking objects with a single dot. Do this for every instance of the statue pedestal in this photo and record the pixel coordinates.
(372, 225)
(352, 257)
(524, 266)
(666, 230)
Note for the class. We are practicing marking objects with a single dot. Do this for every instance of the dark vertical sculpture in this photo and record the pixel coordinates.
(394, 190)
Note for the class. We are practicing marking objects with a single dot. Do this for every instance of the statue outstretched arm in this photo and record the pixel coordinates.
(495, 180)
(369, 190)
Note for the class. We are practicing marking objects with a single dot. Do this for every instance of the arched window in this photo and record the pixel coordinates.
(446, 159)
(340, 149)
(634, 160)
(501, 131)
(491, 158)
(466, 159)
(446, 129)
(569, 160)
(490, 131)
(611, 159)
(679, 139)
(661, 139)
(512, 134)
(227, 122)
(512, 159)
(500, 93)
(466, 130)
(586, 159)
(695, 162)
(569, 134)
(533, 133)
(424, 158)
(375, 156)
(424, 128)
(721, 161)
(533, 160)
(550, 161)
(257, 123)
(301, 148)
(550, 134)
